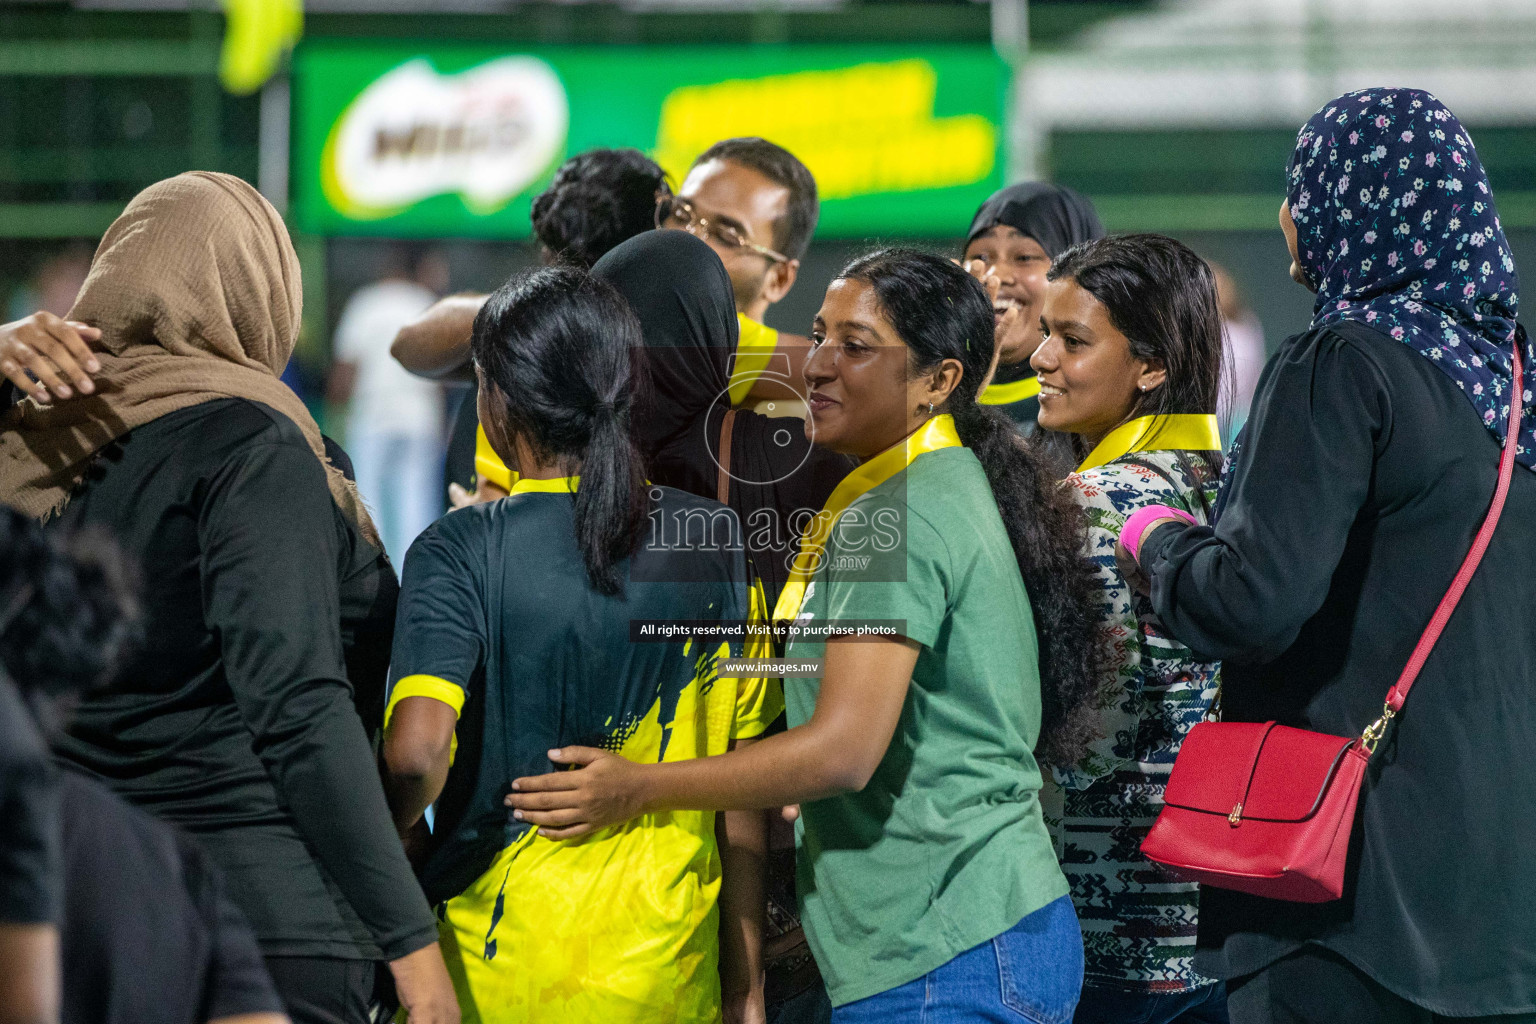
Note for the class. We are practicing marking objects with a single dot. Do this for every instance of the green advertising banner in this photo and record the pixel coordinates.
(408, 141)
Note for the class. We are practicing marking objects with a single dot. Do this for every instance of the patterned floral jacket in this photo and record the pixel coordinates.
(1138, 924)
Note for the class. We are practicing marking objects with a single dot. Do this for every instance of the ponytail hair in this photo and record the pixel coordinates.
(941, 313)
(559, 354)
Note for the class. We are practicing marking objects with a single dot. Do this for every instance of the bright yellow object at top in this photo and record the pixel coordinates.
(256, 35)
(870, 128)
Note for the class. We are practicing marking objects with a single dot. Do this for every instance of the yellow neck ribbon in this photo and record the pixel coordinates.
(937, 433)
(488, 465)
(554, 485)
(1194, 432)
(1007, 394)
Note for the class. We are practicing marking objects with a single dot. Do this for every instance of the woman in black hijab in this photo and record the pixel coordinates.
(762, 467)
(773, 478)
(1015, 236)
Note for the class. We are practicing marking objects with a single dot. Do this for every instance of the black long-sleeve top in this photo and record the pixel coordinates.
(237, 719)
(149, 934)
(1363, 476)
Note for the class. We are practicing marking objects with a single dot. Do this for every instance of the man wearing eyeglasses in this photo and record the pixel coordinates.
(751, 201)
(755, 204)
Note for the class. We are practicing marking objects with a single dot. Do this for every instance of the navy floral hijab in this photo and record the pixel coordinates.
(1396, 229)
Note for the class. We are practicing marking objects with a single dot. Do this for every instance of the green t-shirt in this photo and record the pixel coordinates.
(945, 848)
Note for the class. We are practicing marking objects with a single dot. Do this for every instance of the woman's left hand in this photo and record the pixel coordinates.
(603, 790)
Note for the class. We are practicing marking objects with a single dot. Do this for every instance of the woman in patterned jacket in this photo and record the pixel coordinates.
(1129, 369)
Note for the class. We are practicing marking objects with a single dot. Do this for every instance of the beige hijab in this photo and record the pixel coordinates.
(196, 290)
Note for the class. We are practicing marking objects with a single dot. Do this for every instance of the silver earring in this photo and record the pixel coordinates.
(930, 408)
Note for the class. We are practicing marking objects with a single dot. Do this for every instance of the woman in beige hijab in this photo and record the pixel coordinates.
(267, 596)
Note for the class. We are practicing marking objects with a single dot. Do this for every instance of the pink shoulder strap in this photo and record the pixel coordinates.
(1399, 692)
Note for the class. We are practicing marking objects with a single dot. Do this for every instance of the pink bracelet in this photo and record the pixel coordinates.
(1137, 524)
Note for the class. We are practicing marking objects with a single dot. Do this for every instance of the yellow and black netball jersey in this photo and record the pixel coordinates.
(498, 620)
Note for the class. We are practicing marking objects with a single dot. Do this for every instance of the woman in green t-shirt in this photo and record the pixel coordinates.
(927, 880)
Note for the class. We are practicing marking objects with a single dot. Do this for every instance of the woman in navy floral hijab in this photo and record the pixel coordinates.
(1363, 476)
(1396, 228)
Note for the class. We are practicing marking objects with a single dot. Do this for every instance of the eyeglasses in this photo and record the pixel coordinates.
(676, 212)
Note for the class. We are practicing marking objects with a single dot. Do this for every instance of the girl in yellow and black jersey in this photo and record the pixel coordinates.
(520, 628)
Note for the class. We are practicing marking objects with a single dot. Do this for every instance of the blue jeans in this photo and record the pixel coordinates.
(1031, 973)
(1207, 1005)
(401, 479)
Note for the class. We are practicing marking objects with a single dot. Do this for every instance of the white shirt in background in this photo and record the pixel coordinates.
(387, 398)
(1244, 360)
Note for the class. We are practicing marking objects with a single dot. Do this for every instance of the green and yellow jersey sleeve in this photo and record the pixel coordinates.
(437, 689)
(442, 690)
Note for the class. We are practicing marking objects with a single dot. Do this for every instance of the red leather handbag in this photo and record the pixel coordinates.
(1267, 809)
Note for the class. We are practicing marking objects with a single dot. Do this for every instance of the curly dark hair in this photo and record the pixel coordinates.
(68, 613)
(941, 312)
(597, 199)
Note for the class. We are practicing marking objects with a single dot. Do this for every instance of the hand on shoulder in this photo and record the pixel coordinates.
(48, 357)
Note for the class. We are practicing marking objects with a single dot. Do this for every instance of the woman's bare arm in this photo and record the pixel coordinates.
(743, 841)
(417, 743)
(436, 344)
(29, 983)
